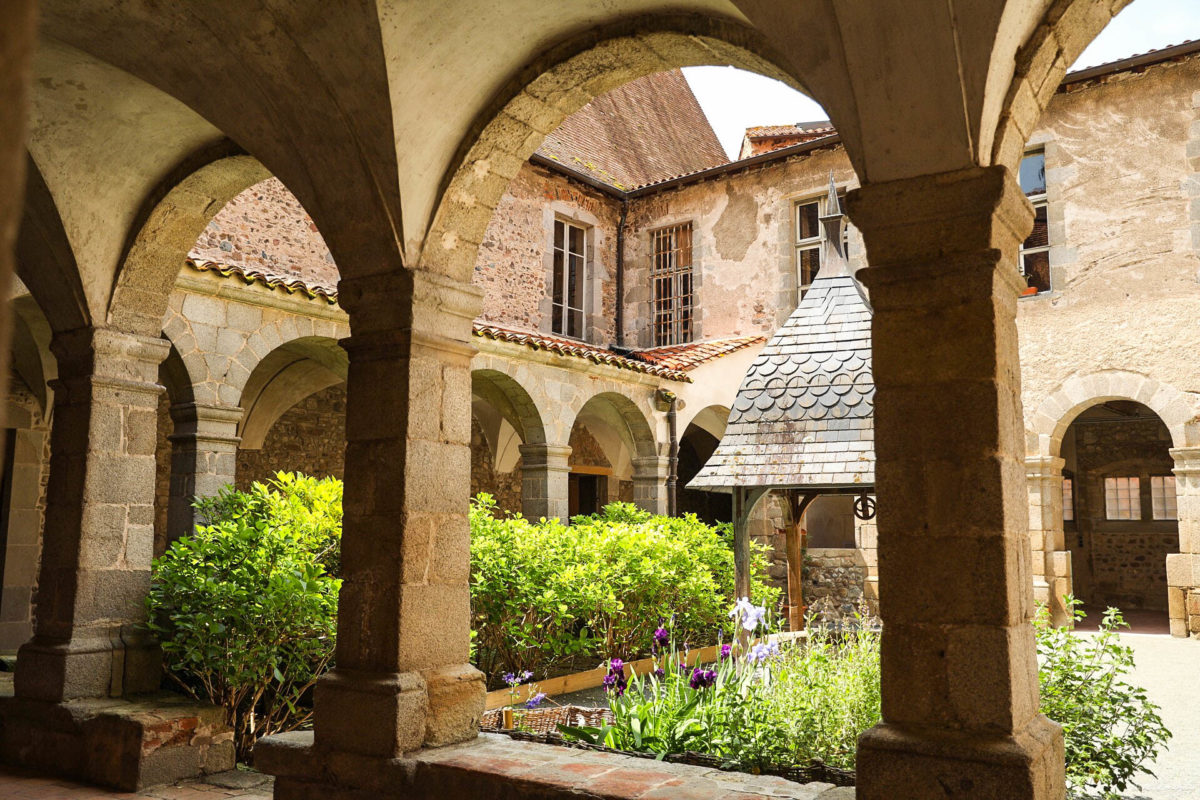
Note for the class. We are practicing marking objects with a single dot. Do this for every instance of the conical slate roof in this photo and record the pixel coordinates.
(804, 415)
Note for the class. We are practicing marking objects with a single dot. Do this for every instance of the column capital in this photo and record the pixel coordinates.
(204, 422)
(545, 456)
(1044, 466)
(410, 300)
(651, 467)
(1187, 460)
(102, 356)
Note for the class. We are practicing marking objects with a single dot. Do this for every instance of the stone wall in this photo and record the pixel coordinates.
(834, 580)
(504, 486)
(162, 473)
(310, 438)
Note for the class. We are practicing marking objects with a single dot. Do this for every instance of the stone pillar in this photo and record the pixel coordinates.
(99, 529)
(960, 686)
(203, 459)
(1183, 568)
(544, 471)
(650, 483)
(403, 680)
(1047, 541)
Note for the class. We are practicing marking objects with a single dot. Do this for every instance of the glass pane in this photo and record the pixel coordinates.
(810, 264)
(575, 324)
(685, 245)
(1036, 267)
(576, 240)
(556, 318)
(1122, 498)
(575, 281)
(558, 234)
(1033, 174)
(808, 223)
(1040, 236)
(1162, 496)
(1068, 490)
(556, 291)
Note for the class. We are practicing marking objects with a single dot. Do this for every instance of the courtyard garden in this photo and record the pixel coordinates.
(246, 612)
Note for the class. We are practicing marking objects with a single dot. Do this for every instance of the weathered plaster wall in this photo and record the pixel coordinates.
(743, 254)
(309, 438)
(1121, 184)
(514, 261)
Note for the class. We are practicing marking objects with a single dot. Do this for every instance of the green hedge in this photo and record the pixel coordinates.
(550, 598)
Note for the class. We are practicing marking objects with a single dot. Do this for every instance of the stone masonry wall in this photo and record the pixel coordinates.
(833, 584)
(504, 486)
(310, 438)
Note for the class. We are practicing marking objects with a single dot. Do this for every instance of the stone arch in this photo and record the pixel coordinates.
(1066, 28)
(288, 374)
(625, 417)
(45, 260)
(1047, 426)
(512, 401)
(558, 83)
(172, 219)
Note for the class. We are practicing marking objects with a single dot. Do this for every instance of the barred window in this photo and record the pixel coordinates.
(672, 277)
(568, 279)
(1068, 489)
(1122, 498)
(1035, 252)
(1162, 497)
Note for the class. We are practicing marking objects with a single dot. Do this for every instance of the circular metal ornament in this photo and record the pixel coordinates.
(864, 507)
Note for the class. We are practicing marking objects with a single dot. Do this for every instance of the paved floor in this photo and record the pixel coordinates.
(237, 785)
(1169, 669)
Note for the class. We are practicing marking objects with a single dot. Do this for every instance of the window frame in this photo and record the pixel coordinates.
(811, 243)
(1170, 503)
(560, 311)
(1068, 498)
(1133, 491)
(673, 321)
(1039, 200)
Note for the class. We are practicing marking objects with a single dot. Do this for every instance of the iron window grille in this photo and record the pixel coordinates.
(568, 286)
(1035, 251)
(673, 284)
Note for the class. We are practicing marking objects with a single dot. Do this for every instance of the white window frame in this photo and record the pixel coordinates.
(810, 243)
(1163, 499)
(1038, 201)
(560, 313)
(1125, 488)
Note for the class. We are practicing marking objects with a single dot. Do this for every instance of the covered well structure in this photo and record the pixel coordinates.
(803, 420)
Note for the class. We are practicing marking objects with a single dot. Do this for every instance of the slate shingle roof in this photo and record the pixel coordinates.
(804, 415)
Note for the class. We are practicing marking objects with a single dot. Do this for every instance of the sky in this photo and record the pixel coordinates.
(735, 100)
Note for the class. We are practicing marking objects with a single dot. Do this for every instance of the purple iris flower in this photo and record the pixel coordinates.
(616, 665)
(661, 637)
(702, 678)
(726, 651)
(536, 700)
(510, 679)
(660, 673)
(615, 681)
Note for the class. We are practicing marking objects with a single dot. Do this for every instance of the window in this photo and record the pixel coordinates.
(809, 238)
(1068, 489)
(1162, 497)
(1035, 252)
(568, 279)
(1122, 498)
(672, 277)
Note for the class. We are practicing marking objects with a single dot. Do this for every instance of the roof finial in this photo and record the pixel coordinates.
(832, 204)
(833, 261)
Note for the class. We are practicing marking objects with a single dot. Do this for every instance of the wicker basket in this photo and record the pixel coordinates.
(541, 725)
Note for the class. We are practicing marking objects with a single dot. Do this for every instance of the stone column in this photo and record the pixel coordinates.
(960, 688)
(203, 459)
(403, 680)
(1183, 568)
(1051, 558)
(650, 483)
(544, 471)
(99, 529)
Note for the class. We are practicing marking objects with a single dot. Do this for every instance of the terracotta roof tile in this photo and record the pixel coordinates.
(642, 132)
(687, 357)
(290, 283)
(570, 347)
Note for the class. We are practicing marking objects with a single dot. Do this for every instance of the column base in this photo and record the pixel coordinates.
(1183, 594)
(93, 667)
(900, 763)
(126, 744)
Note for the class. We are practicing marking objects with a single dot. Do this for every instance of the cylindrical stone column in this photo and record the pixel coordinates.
(203, 459)
(403, 679)
(1183, 568)
(1047, 540)
(650, 483)
(544, 479)
(99, 531)
(960, 687)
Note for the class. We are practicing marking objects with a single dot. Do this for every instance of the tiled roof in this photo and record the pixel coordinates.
(646, 131)
(570, 347)
(807, 130)
(291, 283)
(804, 414)
(687, 357)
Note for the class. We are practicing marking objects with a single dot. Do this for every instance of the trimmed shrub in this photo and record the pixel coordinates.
(550, 598)
(246, 607)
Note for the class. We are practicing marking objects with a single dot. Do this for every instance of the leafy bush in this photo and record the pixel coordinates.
(1110, 726)
(548, 597)
(246, 607)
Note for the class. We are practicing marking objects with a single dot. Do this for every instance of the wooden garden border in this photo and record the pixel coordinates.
(578, 681)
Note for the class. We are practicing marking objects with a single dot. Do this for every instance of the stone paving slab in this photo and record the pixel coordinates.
(16, 784)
